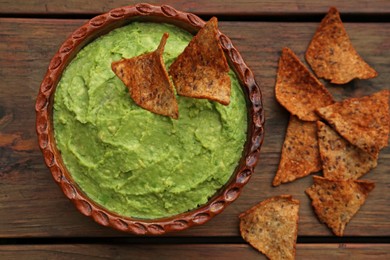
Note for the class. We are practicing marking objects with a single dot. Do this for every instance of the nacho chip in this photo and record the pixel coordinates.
(297, 89)
(300, 154)
(336, 201)
(201, 71)
(364, 121)
(272, 226)
(148, 82)
(331, 54)
(340, 159)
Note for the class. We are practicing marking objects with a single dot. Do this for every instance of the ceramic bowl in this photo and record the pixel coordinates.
(101, 25)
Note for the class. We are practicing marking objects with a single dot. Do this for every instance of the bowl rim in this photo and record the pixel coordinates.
(100, 25)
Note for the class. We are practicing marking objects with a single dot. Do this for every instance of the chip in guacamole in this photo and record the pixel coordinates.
(148, 81)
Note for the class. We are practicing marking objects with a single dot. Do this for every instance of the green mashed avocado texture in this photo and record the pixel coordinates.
(134, 162)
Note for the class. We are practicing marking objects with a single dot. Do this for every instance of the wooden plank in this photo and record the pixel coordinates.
(202, 7)
(31, 204)
(185, 251)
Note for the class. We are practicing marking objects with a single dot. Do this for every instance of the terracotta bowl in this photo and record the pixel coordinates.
(101, 25)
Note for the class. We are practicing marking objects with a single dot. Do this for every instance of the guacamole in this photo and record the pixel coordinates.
(129, 160)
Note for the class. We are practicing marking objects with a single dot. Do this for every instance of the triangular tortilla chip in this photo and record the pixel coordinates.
(300, 154)
(201, 71)
(297, 89)
(364, 121)
(148, 81)
(336, 201)
(340, 159)
(331, 54)
(272, 226)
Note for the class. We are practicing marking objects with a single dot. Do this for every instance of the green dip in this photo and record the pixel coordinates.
(129, 160)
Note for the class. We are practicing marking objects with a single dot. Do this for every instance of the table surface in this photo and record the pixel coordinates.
(38, 221)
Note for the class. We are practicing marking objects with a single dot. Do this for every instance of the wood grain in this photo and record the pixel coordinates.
(202, 7)
(32, 205)
(197, 251)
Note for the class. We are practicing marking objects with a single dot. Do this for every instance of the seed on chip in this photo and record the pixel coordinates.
(331, 54)
(335, 202)
(298, 90)
(201, 70)
(272, 226)
(300, 154)
(148, 82)
(363, 121)
(340, 159)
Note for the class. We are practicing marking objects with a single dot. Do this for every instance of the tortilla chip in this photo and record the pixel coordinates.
(364, 121)
(340, 159)
(336, 201)
(272, 226)
(331, 54)
(300, 154)
(201, 71)
(148, 81)
(298, 90)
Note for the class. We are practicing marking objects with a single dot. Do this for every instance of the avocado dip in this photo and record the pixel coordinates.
(134, 162)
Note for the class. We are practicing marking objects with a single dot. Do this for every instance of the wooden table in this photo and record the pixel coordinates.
(38, 222)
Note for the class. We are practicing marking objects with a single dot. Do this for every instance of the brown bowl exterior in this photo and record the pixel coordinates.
(101, 25)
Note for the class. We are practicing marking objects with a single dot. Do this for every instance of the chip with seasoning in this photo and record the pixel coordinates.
(300, 154)
(148, 82)
(335, 202)
(340, 159)
(272, 226)
(363, 121)
(201, 71)
(331, 54)
(297, 89)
